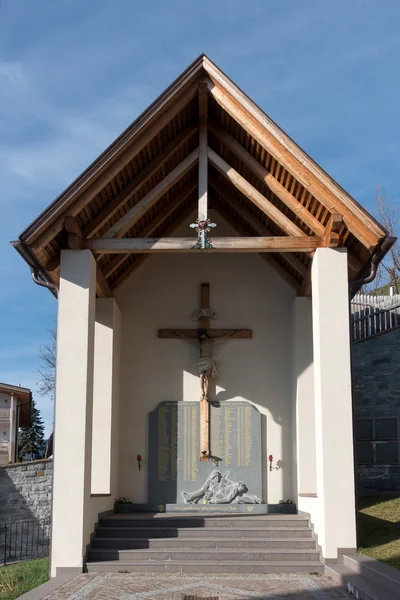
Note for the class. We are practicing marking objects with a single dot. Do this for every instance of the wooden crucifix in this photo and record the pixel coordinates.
(205, 337)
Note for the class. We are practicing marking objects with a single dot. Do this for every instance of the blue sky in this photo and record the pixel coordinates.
(74, 74)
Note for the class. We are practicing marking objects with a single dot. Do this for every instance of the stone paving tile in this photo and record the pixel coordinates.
(130, 586)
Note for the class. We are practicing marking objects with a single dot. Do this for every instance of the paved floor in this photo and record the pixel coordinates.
(129, 586)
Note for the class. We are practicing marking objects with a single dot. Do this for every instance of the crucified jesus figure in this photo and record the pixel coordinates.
(207, 362)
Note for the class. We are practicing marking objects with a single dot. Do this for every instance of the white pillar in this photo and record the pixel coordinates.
(13, 429)
(333, 403)
(303, 380)
(105, 395)
(73, 409)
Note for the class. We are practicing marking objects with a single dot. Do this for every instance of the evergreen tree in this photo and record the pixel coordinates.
(31, 439)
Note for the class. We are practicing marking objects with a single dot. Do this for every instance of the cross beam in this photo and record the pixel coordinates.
(220, 244)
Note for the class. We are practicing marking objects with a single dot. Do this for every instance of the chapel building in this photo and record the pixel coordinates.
(203, 265)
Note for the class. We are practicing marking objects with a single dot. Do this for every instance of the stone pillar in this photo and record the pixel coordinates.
(105, 395)
(304, 407)
(333, 402)
(73, 409)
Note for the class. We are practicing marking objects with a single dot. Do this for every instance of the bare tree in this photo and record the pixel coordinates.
(47, 370)
(387, 212)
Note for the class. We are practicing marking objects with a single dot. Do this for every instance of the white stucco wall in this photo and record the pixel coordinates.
(245, 292)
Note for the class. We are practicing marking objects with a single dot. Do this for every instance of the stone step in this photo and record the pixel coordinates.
(247, 521)
(226, 566)
(199, 543)
(190, 554)
(365, 588)
(198, 532)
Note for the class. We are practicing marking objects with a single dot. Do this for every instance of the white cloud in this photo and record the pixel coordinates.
(12, 76)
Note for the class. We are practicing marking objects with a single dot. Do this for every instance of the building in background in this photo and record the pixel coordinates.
(15, 412)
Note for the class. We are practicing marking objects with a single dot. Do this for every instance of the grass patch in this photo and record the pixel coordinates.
(379, 529)
(17, 579)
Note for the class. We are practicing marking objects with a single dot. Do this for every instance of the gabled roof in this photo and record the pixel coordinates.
(147, 183)
(24, 397)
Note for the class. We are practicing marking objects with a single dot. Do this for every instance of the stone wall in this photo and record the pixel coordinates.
(376, 389)
(25, 491)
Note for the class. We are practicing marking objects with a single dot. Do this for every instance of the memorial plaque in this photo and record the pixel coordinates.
(178, 478)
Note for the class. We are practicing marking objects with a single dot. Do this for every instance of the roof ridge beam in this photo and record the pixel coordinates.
(138, 181)
(254, 195)
(138, 210)
(271, 182)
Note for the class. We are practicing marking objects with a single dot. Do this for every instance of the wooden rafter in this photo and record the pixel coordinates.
(83, 190)
(356, 221)
(169, 230)
(220, 244)
(269, 259)
(139, 181)
(203, 152)
(283, 222)
(264, 175)
(136, 212)
(154, 224)
(257, 226)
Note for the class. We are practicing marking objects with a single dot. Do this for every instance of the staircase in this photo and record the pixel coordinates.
(158, 543)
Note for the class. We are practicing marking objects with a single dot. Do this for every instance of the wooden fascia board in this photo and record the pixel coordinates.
(100, 172)
(293, 158)
(220, 244)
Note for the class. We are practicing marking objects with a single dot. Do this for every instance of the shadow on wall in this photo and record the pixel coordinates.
(245, 292)
(25, 492)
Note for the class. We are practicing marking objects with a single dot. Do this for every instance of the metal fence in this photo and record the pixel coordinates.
(24, 540)
(372, 320)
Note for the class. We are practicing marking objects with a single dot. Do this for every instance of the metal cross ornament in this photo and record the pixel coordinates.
(203, 228)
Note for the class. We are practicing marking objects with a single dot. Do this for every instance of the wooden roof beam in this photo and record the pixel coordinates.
(220, 244)
(264, 175)
(203, 153)
(76, 241)
(169, 230)
(299, 166)
(269, 259)
(138, 181)
(254, 195)
(153, 225)
(332, 231)
(136, 212)
(255, 224)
